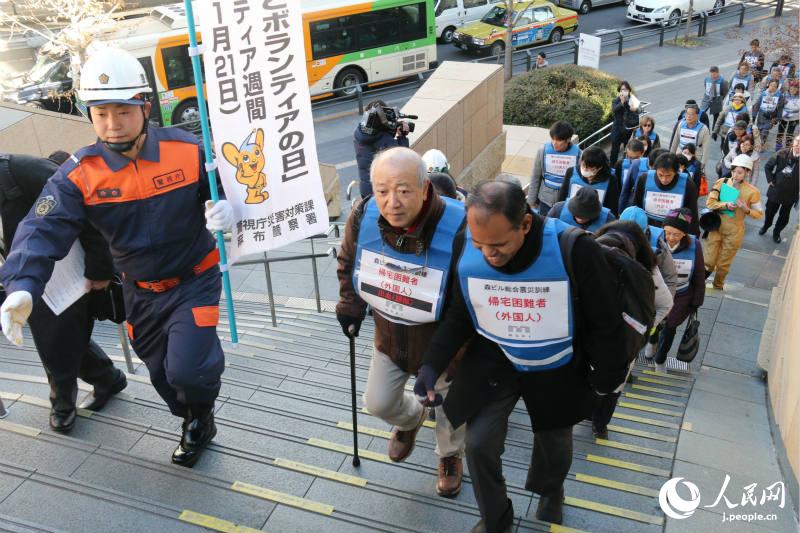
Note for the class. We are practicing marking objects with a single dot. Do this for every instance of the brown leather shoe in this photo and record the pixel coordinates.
(402, 443)
(451, 470)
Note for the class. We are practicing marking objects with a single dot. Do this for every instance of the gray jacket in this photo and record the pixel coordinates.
(666, 265)
(537, 191)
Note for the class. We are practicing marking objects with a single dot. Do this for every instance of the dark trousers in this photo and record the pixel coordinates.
(772, 209)
(604, 410)
(67, 352)
(544, 208)
(665, 340)
(617, 138)
(364, 188)
(175, 334)
(714, 123)
(485, 444)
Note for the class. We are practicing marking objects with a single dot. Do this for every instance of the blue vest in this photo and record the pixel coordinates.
(577, 182)
(652, 136)
(657, 202)
(405, 288)
(711, 91)
(684, 265)
(769, 102)
(528, 314)
(556, 164)
(655, 236)
(736, 80)
(688, 135)
(593, 226)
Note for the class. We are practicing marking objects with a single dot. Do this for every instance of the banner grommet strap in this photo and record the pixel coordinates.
(196, 50)
(211, 165)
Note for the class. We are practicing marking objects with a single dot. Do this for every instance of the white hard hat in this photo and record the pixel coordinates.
(435, 160)
(112, 75)
(742, 160)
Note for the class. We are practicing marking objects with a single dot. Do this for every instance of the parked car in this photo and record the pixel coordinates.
(670, 11)
(534, 22)
(452, 14)
(584, 6)
(48, 85)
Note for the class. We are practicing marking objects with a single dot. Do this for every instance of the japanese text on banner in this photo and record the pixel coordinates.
(260, 113)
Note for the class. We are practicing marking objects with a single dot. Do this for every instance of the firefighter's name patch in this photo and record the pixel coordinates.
(44, 205)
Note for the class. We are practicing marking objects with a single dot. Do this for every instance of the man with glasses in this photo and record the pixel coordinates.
(396, 257)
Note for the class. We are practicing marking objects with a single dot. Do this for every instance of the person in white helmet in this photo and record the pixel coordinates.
(437, 163)
(724, 242)
(146, 191)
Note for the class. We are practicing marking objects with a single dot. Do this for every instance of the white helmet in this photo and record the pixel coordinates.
(112, 75)
(435, 160)
(742, 160)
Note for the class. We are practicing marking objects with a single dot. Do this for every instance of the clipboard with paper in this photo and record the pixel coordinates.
(728, 194)
(67, 284)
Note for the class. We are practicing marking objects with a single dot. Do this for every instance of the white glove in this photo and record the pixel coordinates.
(219, 216)
(14, 313)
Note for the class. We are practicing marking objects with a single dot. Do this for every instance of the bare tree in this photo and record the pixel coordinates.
(67, 26)
(509, 49)
(776, 39)
(689, 20)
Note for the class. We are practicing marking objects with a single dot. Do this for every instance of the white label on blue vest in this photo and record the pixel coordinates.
(660, 203)
(398, 289)
(769, 103)
(683, 267)
(574, 187)
(688, 136)
(521, 310)
(558, 164)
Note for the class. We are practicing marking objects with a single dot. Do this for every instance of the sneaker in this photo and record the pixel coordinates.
(650, 351)
(661, 368)
(763, 230)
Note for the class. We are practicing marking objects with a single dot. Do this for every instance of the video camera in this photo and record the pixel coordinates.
(384, 118)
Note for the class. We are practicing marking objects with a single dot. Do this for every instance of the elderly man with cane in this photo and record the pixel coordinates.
(396, 256)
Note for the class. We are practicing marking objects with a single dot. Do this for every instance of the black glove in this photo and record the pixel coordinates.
(714, 136)
(426, 381)
(346, 321)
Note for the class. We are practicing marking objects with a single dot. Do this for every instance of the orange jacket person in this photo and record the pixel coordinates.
(144, 190)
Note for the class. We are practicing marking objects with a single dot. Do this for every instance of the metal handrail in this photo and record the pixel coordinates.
(582, 143)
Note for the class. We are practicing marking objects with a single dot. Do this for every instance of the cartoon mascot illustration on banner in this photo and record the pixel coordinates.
(249, 162)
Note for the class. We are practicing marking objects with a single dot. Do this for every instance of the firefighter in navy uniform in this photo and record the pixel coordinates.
(145, 191)
(511, 270)
(63, 341)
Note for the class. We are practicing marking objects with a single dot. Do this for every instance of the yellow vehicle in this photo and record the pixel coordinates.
(533, 22)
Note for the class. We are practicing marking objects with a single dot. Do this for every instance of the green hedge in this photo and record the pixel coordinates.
(581, 96)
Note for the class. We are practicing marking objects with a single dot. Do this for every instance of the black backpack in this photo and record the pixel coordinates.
(636, 292)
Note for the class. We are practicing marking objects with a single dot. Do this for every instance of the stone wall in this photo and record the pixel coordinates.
(780, 354)
(460, 109)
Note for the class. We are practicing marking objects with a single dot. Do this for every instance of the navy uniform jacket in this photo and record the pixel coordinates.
(149, 210)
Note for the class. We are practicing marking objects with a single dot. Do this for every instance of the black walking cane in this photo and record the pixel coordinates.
(351, 330)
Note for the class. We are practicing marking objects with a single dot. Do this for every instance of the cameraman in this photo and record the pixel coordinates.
(373, 135)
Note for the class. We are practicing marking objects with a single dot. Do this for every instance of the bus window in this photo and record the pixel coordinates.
(178, 67)
(332, 37)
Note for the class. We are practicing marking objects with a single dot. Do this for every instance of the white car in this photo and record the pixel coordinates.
(670, 11)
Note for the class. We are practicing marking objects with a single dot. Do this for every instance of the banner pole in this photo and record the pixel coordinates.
(194, 53)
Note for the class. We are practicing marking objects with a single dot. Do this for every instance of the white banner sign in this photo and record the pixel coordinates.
(588, 50)
(260, 113)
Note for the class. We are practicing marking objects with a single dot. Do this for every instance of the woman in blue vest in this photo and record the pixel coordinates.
(583, 211)
(789, 115)
(647, 127)
(512, 297)
(592, 171)
(663, 189)
(730, 115)
(687, 254)
(768, 108)
(742, 75)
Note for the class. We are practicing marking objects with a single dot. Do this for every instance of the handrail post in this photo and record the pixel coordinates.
(741, 14)
(126, 351)
(779, 8)
(661, 31)
(700, 24)
(316, 278)
(270, 296)
(3, 411)
(621, 40)
(528, 54)
(360, 96)
(575, 51)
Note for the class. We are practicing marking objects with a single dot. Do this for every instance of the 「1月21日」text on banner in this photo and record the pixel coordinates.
(260, 113)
